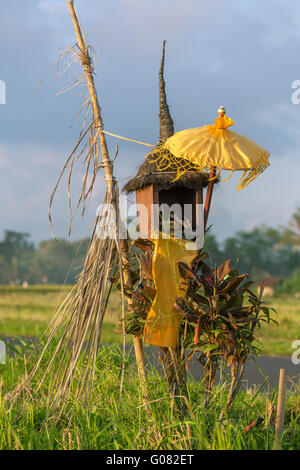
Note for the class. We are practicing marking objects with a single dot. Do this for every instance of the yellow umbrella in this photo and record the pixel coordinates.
(212, 148)
(215, 147)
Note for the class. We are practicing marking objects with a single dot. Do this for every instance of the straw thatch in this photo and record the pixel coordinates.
(148, 173)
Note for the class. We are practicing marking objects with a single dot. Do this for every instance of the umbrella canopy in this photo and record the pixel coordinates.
(213, 147)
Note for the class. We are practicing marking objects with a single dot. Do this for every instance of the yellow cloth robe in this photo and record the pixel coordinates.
(163, 320)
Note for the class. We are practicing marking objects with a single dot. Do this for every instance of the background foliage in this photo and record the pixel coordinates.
(262, 252)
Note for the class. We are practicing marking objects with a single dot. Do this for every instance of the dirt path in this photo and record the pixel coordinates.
(264, 371)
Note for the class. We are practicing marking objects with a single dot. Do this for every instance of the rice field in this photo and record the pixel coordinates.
(27, 312)
(277, 340)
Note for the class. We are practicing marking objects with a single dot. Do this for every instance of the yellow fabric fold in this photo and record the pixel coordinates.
(163, 321)
(222, 122)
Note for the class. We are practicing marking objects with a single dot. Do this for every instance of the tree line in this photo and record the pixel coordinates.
(51, 262)
(262, 252)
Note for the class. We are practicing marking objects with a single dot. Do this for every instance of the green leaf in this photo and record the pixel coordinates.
(217, 332)
(210, 347)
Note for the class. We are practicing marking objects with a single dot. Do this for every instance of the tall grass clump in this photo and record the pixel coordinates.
(99, 423)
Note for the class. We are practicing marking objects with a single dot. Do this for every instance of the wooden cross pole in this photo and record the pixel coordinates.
(86, 62)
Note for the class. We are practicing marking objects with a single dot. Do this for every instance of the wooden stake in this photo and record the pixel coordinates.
(280, 408)
(140, 362)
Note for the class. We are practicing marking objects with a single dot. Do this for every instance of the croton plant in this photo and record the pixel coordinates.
(220, 314)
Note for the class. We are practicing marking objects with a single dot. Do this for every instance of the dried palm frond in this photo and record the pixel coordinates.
(86, 150)
(91, 144)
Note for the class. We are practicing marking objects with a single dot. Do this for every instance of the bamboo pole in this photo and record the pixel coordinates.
(280, 408)
(209, 193)
(107, 164)
(137, 342)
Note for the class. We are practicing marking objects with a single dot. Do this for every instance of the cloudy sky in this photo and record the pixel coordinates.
(241, 54)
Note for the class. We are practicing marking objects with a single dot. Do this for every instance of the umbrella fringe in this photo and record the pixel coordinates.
(251, 175)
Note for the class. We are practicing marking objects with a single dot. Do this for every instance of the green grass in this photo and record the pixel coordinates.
(277, 340)
(99, 424)
(27, 312)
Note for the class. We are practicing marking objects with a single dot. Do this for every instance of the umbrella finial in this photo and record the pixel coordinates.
(221, 111)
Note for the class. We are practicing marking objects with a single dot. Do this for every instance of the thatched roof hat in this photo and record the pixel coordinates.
(148, 173)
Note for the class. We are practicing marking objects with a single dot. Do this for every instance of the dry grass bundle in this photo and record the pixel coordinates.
(76, 326)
